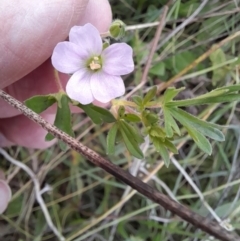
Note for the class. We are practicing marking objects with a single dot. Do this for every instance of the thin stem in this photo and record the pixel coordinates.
(211, 227)
(194, 186)
(58, 81)
(163, 86)
(184, 24)
(153, 24)
(152, 51)
(37, 191)
(105, 34)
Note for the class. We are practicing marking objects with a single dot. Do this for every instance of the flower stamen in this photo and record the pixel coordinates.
(95, 63)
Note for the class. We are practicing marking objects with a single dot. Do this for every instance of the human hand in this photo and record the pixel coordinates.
(5, 193)
(30, 31)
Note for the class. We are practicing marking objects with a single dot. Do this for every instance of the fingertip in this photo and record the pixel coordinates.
(98, 13)
(5, 195)
(24, 132)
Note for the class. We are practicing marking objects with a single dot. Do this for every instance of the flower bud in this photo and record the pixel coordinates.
(117, 29)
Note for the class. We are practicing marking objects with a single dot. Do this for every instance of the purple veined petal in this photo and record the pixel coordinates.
(78, 87)
(68, 58)
(87, 37)
(5, 195)
(106, 87)
(118, 59)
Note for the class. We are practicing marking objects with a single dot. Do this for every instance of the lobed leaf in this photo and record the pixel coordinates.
(137, 100)
(219, 95)
(39, 103)
(201, 141)
(132, 132)
(111, 138)
(206, 128)
(130, 140)
(63, 118)
(131, 118)
(157, 131)
(158, 144)
(170, 146)
(170, 93)
(150, 95)
(170, 123)
(97, 114)
(149, 118)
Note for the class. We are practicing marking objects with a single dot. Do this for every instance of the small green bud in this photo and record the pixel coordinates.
(117, 29)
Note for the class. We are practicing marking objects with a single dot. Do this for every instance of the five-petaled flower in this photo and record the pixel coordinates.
(96, 72)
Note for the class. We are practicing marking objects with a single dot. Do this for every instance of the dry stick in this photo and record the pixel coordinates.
(163, 86)
(184, 24)
(154, 24)
(153, 49)
(211, 227)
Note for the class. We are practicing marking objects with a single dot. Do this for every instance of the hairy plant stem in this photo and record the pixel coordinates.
(211, 227)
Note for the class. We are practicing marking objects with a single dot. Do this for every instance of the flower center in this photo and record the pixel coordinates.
(95, 63)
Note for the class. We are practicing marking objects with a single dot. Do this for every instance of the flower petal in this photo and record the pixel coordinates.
(117, 59)
(87, 37)
(106, 87)
(68, 58)
(78, 87)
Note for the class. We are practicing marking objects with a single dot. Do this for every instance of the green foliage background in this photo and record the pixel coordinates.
(89, 204)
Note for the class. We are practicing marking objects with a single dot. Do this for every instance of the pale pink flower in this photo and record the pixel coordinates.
(96, 71)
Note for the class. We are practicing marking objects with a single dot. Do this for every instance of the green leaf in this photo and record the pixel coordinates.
(158, 69)
(133, 132)
(63, 118)
(133, 238)
(229, 88)
(179, 61)
(170, 123)
(219, 95)
(63, 146)
(121, 111)
(170, 93)
(131, 117)
(206, 128)
(150, 95)
(200, 101)
(201, 141)
(156, 131)
(170, 146)
(111, 138)
(106, 115)
(137, 100)
(213, 93)
(149, 118)
(130, 141)
(97, 114)
(162, 150)
(39, 103)
(95, 117)
(218, 57)
(187, 8)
